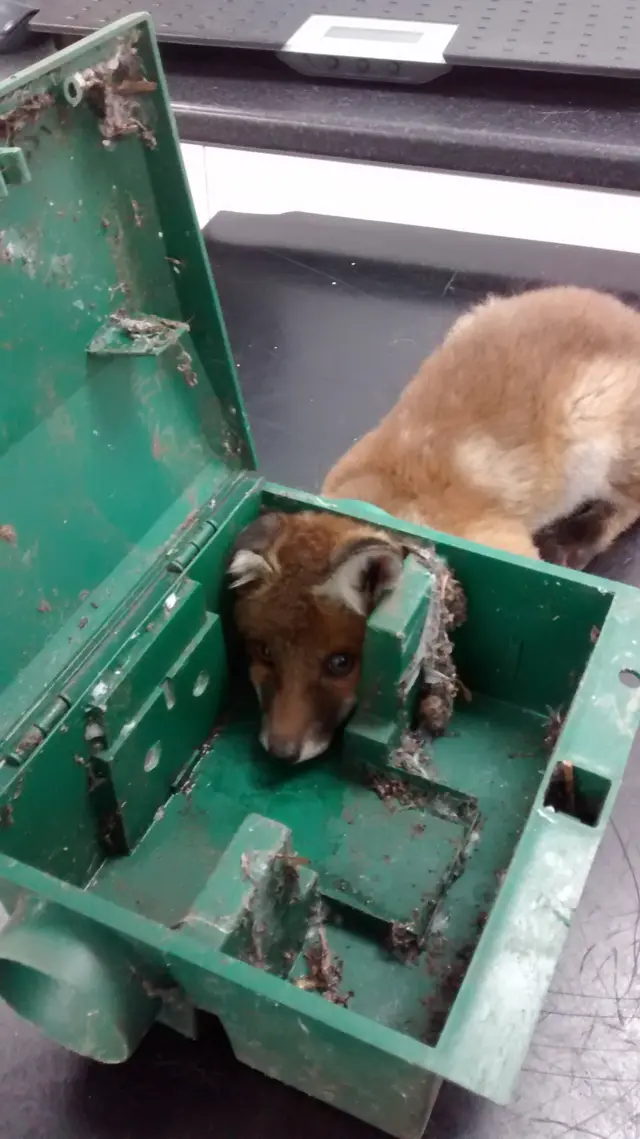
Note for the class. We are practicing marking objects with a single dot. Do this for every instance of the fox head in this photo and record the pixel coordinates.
(306, 584)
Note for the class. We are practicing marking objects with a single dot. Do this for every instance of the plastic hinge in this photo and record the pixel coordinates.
(190, 546)
(49, 718)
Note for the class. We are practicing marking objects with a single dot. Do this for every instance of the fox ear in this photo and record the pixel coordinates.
(249, 561)
(363, 569)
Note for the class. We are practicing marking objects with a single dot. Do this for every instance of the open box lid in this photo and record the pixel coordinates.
(121, 421)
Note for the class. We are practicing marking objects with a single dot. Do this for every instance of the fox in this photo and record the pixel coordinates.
(526, 415)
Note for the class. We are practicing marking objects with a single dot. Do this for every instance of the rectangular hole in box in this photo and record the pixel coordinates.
(578, 793)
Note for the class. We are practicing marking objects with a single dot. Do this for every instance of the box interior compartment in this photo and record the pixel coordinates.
(171, 803)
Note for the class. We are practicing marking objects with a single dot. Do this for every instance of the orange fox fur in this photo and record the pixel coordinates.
(528, 410)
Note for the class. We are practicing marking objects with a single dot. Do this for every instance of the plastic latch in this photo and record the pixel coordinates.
(14, 170)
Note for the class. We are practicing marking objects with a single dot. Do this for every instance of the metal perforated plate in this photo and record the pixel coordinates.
(556, 35)
(266, 24)
(593, 36)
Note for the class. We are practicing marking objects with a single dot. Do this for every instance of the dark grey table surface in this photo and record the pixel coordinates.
(579, 130)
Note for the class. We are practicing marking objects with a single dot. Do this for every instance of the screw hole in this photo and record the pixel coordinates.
(72, 90)
(629, 677)
(201, 684)
(152, 758)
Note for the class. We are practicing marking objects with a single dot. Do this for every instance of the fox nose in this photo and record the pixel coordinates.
(283, 748)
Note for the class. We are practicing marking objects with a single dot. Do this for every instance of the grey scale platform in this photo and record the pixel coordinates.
(589, 36)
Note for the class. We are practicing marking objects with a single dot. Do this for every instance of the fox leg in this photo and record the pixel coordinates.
(625, 513)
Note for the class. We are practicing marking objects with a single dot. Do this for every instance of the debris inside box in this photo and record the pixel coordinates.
(29, 107)
(137, 334)
(150, 329)
(323, 969)
(114, 89)
(441, 684)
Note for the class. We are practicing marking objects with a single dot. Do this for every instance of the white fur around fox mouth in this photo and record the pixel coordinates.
(313, 745)
(309, 750)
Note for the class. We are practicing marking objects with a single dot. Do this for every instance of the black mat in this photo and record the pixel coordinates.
(593, 36)
(325, 342)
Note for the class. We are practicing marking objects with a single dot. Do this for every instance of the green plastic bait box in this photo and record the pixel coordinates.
(365, 925)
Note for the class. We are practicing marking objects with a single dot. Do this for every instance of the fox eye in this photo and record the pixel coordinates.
(263, 652)
(340, 664)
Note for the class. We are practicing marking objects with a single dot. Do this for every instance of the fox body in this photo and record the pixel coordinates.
(528, 412)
